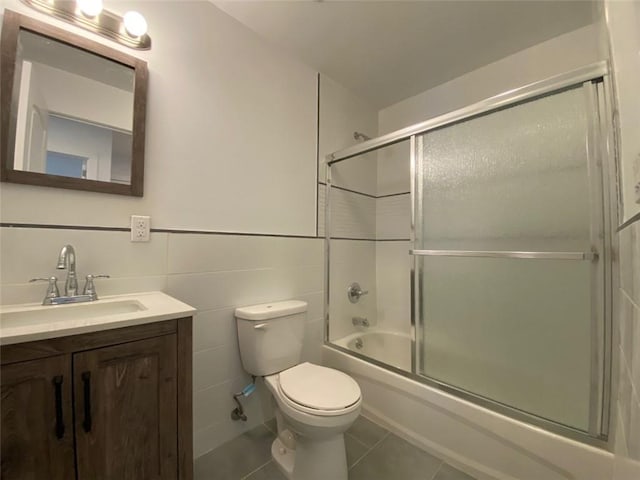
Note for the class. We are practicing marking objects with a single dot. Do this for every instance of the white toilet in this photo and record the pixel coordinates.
(316, 404)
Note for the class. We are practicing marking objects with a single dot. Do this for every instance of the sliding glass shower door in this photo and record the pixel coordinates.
(509, 285)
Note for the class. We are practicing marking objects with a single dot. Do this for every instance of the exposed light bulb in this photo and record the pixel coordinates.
(90, 8)
(135, 24)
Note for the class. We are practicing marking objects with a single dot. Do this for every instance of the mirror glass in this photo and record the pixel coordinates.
(72, 111)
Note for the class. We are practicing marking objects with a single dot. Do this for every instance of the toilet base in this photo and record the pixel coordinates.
(284, 458)
(312, 460)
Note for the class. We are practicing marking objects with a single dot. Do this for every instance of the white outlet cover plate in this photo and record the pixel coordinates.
(140, 228)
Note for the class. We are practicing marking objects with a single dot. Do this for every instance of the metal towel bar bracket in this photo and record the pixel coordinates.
(592, 256)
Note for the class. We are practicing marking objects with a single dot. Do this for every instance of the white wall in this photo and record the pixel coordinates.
(558, 55)
(627, 349)
(231, 132)
(623, 26)
(79, 97)
(82, 140)
(231, 146)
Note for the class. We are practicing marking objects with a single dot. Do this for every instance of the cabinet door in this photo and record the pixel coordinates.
(37, 427)
(126, 411)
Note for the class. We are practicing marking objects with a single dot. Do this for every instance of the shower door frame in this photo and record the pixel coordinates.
(602, 148)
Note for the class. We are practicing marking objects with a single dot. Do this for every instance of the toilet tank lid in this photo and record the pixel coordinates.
(266, 311)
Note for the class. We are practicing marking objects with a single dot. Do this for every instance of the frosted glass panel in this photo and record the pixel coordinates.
(515, 179)
(511, 330)
(515, 331)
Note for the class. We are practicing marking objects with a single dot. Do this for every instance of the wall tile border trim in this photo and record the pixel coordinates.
(63, 227)
(189, 232)
(153, 230)
(365, 194)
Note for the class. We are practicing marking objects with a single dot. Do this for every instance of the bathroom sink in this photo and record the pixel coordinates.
(29, 322)
(56, 313)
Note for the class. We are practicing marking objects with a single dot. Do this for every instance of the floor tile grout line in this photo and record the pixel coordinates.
(353, 437)
(366, 448)
(369, 451)
(254, 471)
(275, 432)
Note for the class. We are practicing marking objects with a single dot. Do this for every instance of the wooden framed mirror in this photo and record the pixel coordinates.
(72, 110)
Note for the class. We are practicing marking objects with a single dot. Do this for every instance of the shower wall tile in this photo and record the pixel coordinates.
(352, 215)
(322, 198)
(394, 174)
(393, 276)
(627, 442)
(351, 261)
(393, 217)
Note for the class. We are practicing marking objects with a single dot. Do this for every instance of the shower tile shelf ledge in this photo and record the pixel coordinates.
(30, 322)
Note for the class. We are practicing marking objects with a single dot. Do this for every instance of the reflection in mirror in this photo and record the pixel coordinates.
(73, 110)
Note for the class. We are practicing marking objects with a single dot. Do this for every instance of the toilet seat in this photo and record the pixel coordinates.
(318, 390)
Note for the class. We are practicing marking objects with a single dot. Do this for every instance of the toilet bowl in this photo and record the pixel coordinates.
(315, 404)
(318, 404)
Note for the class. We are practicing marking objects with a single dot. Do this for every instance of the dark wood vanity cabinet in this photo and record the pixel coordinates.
(111, 405)
(37, 433)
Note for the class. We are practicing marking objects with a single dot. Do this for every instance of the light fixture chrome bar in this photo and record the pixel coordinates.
(497, 254)
(106, 23)
(543, 87)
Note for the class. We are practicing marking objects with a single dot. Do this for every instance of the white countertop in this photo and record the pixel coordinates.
(29, 322)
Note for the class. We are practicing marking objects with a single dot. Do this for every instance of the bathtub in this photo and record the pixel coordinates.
(391, 348)
(481, 442)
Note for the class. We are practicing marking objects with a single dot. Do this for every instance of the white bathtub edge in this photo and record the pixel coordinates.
(476, 470)
(569, 459)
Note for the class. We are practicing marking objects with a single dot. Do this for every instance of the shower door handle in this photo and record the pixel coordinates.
(592, 256)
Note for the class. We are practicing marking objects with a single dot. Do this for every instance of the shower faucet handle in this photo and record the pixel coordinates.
(354, 292)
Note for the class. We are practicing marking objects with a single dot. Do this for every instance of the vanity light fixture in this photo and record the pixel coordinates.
(130, 30)
(90, 8)
(135, 24)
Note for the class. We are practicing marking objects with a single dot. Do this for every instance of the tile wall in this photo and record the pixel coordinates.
(213, 273)
(627, 441)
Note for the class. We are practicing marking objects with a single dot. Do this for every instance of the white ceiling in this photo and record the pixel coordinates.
(389, 51)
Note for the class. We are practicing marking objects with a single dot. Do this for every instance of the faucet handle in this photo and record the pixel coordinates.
(90, 288)
(354, 292)
(52, 288)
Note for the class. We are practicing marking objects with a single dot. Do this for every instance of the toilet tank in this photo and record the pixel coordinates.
(270, 336)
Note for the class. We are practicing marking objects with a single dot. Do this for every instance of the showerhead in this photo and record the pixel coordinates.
(361, 136)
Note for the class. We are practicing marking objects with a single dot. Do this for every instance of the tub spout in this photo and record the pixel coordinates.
(360, 321)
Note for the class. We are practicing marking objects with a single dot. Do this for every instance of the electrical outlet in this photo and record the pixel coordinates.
(140, 228)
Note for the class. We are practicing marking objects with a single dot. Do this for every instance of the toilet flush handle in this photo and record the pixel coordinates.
(260, 326)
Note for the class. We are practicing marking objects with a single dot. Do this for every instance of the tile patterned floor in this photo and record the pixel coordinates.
(373, 453)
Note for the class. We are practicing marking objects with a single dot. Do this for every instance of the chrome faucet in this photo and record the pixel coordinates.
(67, 260)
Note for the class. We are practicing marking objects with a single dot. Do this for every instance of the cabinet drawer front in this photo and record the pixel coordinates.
(37, 425)
(126, 411)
